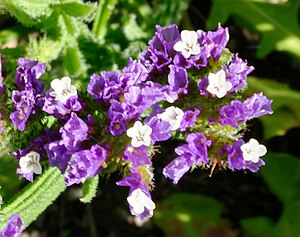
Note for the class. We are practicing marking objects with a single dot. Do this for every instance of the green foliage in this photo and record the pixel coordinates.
(89, 189)
(282, 176)
(9, 180)
(276, 23)
(191, 215)
(285, 106)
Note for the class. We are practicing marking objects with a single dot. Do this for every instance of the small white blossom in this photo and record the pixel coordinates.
(138, 200)
(217, 84)
(1, 201)
(188, 45)
(30, 163)
(173, 115)
(62, 89)
(252, 150)
(140, 134)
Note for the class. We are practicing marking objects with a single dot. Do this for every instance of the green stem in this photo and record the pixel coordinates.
(105, 9)
(34, 198)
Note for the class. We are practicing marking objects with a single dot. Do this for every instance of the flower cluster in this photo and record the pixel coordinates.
(185, 85)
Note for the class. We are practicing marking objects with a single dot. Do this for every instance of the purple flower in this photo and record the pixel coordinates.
(159, 54)
(24, 102)
(59, 109)
(233, 114)
(137, 156)
(235, 158)
(192, 154)
(27, 176)
(179, 166)
(217, 41)
(134, 73)
(74, 132)
(202, 85)
(237, 73)
(239, 112)
(14, 227)
(85, 164)
(189, 119)
(105, 87)
(198, 144)
(178, 79)
(118, 114)
(258, 105)
(28, 73)
(160, 129)
(58, 155)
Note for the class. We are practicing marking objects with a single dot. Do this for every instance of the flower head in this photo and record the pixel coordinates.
(62, 89)
(188, 45)
(139, 201)
(217, 84)
(140, 134)
(252, 150)
(30, 163)
(173, 115)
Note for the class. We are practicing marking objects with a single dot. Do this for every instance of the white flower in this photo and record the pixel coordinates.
(217, 84)
(30, 163)
(138, 200)
(188, 45)
(140, 134)
(62, 89)
(173, 115)
(252, 150)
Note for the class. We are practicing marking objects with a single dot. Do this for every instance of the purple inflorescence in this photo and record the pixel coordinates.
(185, 85)
(29, 92)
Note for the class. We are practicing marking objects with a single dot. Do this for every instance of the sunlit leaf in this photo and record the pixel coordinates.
(276, 23)
(89, 189)
(85, 11)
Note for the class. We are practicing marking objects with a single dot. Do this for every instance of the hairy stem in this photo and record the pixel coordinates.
(35, 197)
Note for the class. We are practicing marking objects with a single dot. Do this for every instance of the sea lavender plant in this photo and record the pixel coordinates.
(185, 85)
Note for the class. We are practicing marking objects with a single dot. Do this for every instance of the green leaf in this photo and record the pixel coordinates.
(169, 11)
(276, 23)
(44, 49)
(89, 189)
(281, 173)
(257, 227)
(17, 12)
(35, 9)
(85, 11)
(35, 197)
(74, 62)
(104, 12)
(285, 105)
(191, 215)
(131, 29)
